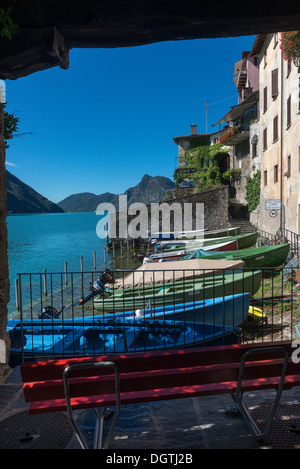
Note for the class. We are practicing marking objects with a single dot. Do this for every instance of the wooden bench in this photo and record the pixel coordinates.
(115, 380)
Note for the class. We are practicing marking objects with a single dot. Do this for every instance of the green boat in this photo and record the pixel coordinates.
(197, 289)
(243, 241)
(232, 231)
(254, 258)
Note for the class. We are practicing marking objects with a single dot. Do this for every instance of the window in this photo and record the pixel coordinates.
(265, 58)
(288, 112)
(275, 129)
(254, 142)
(275, 83)
(265, 139)
(256, 61)
(275, 39)
(265, 177)
(289, 166)
(265, 98)
(288, 67)
(276, 173)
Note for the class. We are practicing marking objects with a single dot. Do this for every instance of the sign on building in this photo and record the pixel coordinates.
(273, 204)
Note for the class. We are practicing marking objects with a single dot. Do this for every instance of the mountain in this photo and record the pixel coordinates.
(21, 198)
(149, 190)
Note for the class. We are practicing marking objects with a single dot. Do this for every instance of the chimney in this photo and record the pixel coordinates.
(193, 129)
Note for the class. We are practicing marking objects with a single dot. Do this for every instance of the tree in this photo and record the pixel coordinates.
(11, 125)
(7, 26)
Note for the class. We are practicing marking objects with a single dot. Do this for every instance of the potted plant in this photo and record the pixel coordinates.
(290, 45)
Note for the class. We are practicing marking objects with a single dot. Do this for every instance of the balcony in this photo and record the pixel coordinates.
(235, 135)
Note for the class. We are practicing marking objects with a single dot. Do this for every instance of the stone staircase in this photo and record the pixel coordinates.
(238, 216)
(246, 225)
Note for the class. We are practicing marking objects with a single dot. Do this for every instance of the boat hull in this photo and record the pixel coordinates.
(243, 241)
(265, 256)
(219, 285)
(193, 234)
(171, 256)
(56, 340)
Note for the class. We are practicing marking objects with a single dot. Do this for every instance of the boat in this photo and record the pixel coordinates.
(205, 233)
(48, 341)
(154, 273)
(257, 258)
(176, 255)
(174, 234)
(231, 310)
(184, 291)
(243, 241)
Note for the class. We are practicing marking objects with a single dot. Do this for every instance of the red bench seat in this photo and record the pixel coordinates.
(114, 380)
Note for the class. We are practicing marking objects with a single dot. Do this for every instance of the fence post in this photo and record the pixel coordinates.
(95, 266)
(17, 294)
(66, 274)
(45, 282)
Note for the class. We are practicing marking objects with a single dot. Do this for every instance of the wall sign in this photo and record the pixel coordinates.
(273, 213)
(273, 204)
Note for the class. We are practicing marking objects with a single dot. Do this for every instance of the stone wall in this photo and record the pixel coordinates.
(215, 206)
(207, 209)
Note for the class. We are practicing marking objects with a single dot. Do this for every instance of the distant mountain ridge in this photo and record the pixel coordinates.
(21, 198)
(149, 190)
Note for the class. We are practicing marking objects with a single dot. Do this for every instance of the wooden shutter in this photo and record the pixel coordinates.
(288, 112)
(265, 98)
(275, 128)
(265, 139)
(275, 83)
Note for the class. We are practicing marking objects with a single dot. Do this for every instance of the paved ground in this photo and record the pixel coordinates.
(184, 424)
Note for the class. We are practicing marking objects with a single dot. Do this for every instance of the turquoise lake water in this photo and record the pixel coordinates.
(46, 241)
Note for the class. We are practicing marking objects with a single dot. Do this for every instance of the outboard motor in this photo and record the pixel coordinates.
(141, 256)
(107, 277)
(98, 287)
(49, 312)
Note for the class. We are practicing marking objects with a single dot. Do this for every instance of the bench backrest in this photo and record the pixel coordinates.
(154, 370)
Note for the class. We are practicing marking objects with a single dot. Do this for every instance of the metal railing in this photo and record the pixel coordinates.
(293, 239)
(149, 310)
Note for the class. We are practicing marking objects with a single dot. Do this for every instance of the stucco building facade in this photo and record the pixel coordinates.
(278, 137)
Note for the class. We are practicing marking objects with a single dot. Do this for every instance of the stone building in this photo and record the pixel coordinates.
(187, 142)
(236, 132)
(278, 137)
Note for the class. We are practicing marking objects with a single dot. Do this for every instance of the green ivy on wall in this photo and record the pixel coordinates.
(202, 165)
(231, 174)
(253, 191)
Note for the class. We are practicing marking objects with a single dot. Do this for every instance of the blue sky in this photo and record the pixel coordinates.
(111, 117)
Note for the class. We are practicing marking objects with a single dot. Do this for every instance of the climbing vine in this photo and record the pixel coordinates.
(253, 191)
(231, 174)
(202, 166)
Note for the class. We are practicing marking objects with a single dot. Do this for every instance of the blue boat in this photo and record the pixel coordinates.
(49, 339)
(231, 310)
